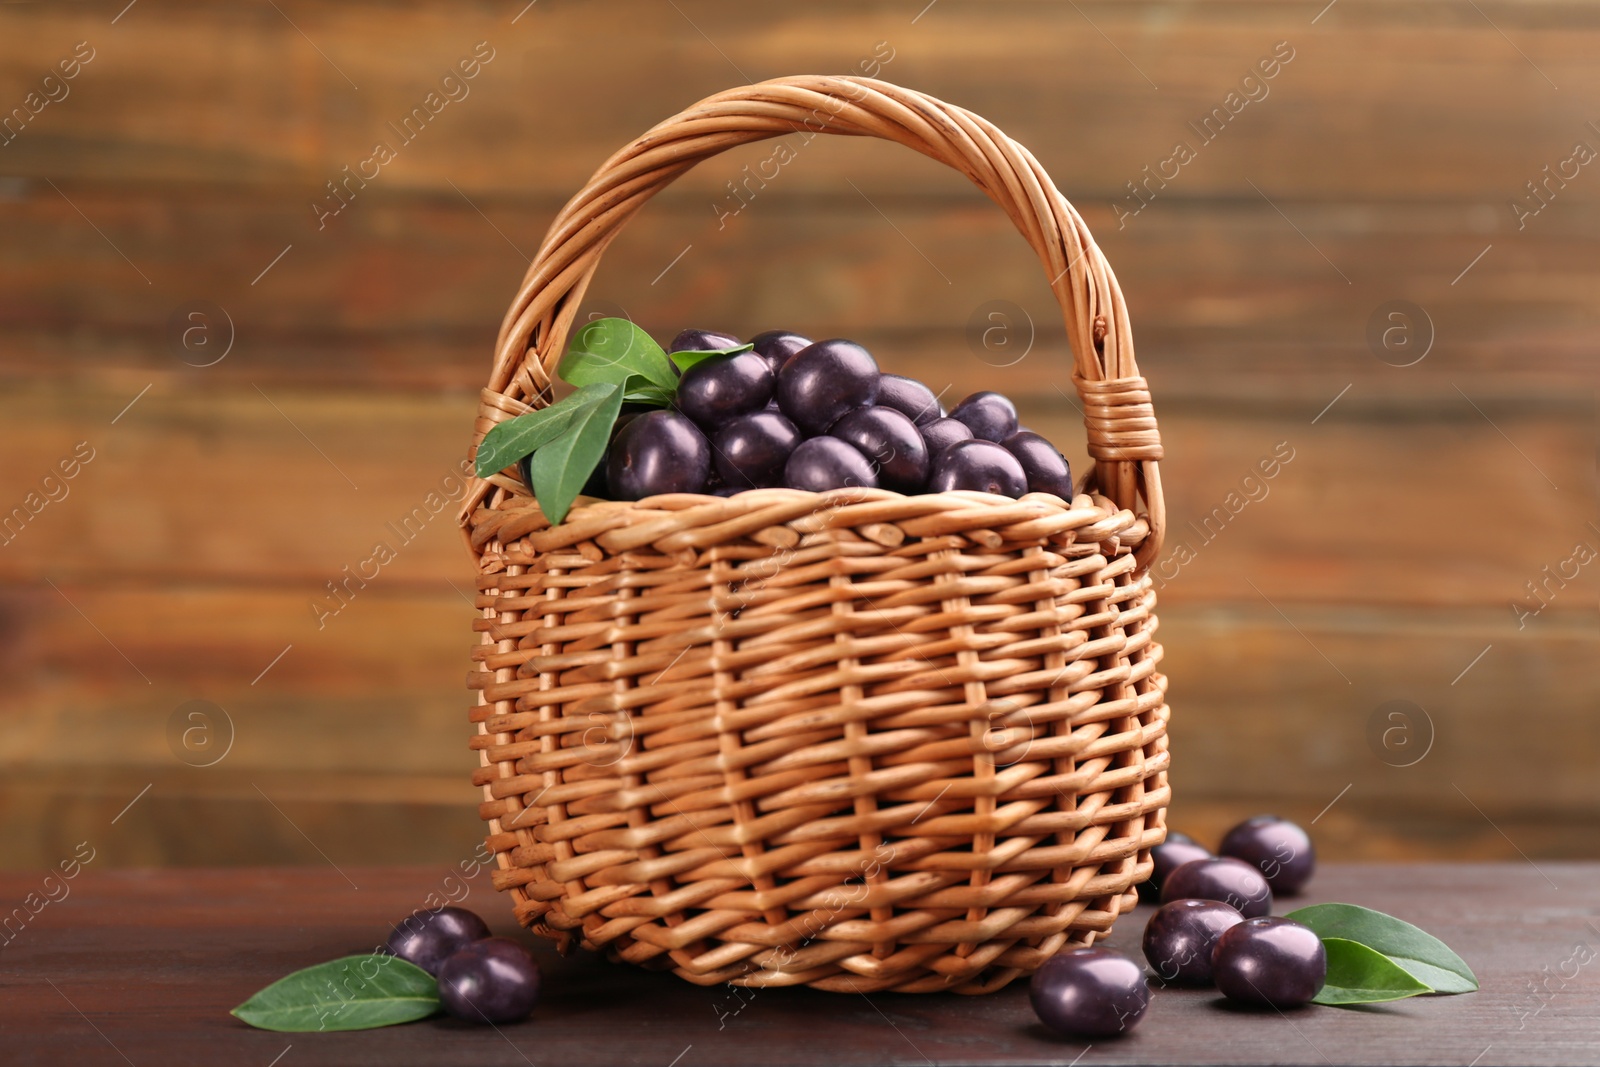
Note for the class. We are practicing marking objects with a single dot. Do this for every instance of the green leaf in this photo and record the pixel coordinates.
(653, 395)
(690, 357)
(609, 350)
(353, 993)
(1361, 975)
(507, 442)
(561, 467)
(1423, 956)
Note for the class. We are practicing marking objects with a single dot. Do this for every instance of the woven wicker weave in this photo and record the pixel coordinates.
(852, 740)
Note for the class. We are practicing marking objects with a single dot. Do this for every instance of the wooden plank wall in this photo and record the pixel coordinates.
(1383, 161)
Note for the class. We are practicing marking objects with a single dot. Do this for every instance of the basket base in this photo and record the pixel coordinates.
(985, 968)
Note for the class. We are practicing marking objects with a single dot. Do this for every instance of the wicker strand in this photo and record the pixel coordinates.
(1120, 420)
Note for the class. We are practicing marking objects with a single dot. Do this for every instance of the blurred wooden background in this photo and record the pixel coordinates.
(1382, 564)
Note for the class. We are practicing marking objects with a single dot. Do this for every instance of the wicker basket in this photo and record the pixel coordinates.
(852, 740)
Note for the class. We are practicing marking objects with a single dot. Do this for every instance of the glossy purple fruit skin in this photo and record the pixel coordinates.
(910, 398)
(990, 416)
(658, 452)
(1179, 938)
(426, 937)
(495, 980)
(751, 451)
(1223, 878)
(778, 346)
(724, 387)
(822, 463)
(1167, 857)
(940, 434)
(1278, 847)
(703, 341)
(1170, 855)
(596, 485)
(1089, 992)
(1047, 469)
(981, 466)
(891, 441)
(1272, 961)
(825, 380)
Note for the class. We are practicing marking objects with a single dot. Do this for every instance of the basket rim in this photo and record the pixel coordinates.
(675, 521)
(1119, 418)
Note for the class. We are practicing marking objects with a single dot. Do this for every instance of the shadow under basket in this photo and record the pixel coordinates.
(852, 740)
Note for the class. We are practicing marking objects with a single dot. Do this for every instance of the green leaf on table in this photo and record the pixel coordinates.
(610, 350)
(1423, 956)
(353, 993)
(1361, 975)
(507, 442)
(561, 466)
(689, 357)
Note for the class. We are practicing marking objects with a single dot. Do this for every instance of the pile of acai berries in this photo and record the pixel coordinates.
(787, 412)
(1214, 927)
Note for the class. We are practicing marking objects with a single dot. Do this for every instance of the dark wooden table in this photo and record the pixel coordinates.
(142, 967)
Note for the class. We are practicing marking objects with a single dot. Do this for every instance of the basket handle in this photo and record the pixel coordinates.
(1121, 425)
